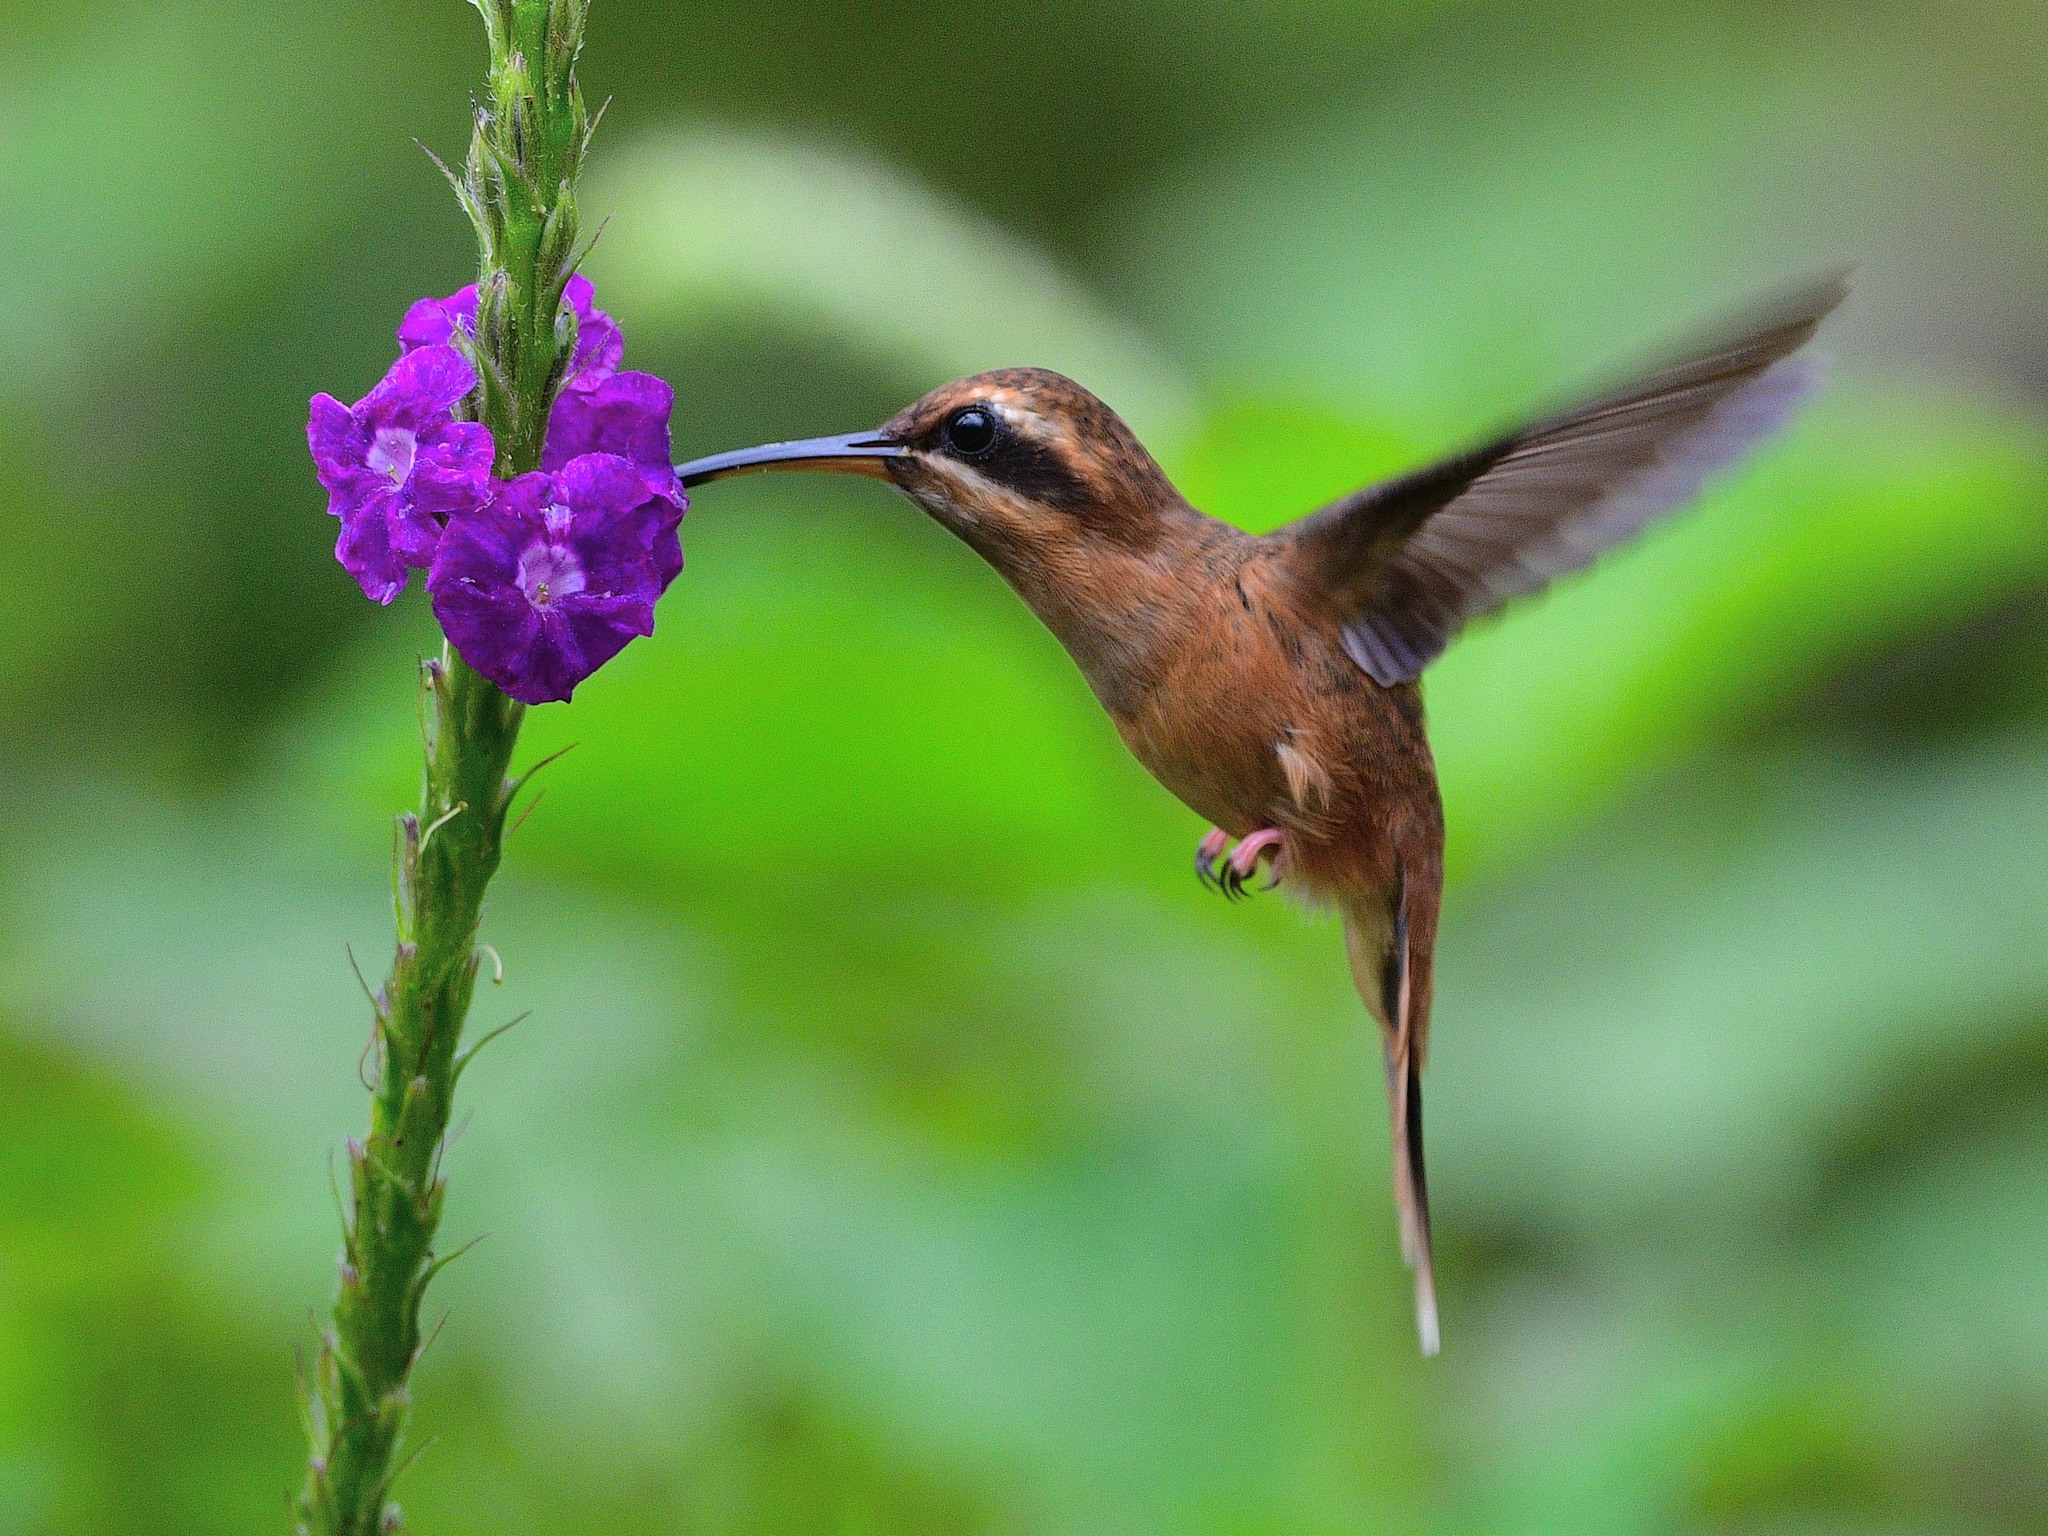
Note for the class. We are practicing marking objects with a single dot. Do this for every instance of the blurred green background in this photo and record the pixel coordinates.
(902, 1142)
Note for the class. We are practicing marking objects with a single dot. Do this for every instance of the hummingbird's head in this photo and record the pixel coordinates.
(1023, 453)
(1018, 462)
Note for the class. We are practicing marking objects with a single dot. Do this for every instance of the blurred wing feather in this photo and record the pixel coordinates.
(1409, 562)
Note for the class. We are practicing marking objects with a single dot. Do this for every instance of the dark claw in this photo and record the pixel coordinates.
(1230, 882)
(1205, 871)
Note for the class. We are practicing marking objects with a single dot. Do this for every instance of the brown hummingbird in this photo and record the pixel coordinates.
(1271, 683)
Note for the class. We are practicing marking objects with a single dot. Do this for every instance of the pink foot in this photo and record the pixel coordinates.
(1244, 858)
(1231, 879)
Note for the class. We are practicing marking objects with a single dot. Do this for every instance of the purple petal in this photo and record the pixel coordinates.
(434, 322)
(524, 499)
(627, 414)
(599, 344)
(650, 531)
(595, 629)
(600, 621)
(615, 525)
(599, 350)
(421, 385)
(579, 635)
(599, 485)
(496, 631)
(335, 440)
(365, 548)
(451, 471)
(668, 544)
(415, 538)
(554, 666)
(621, 561)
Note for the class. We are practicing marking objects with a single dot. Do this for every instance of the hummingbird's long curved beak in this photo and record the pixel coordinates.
(855, 453)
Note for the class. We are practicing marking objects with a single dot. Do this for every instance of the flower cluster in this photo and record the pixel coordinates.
(539, 580)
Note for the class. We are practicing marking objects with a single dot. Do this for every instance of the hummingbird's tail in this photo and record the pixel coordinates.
(1390, 963)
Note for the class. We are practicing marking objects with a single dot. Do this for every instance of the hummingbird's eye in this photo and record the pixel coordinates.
(971, 431)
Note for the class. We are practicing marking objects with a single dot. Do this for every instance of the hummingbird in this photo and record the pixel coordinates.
(1272, 683)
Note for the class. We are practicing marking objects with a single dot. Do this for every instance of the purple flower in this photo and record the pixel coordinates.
(627, 414)
(551, 579)
(599, 346)
(397, 466)
(540, 581)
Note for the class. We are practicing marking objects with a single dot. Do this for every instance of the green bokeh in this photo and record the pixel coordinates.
(901, 1142)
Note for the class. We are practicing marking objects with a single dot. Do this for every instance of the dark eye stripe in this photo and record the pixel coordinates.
(1036, 471)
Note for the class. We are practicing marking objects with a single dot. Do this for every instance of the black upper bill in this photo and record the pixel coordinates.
(859, 452)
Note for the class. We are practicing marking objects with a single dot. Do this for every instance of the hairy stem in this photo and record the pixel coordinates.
(517, 187)
(445, 857)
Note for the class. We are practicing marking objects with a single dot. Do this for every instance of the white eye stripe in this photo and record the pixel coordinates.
(968, 488)
(1045, 429)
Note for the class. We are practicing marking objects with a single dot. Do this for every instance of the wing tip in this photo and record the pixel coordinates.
(1809, 299)
(1742, 421)
(1781, 319)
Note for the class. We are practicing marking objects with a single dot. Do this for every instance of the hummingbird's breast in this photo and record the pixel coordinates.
(1231, 685)
(1254, 716)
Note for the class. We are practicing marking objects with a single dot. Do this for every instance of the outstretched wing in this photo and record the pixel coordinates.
(1409, 562)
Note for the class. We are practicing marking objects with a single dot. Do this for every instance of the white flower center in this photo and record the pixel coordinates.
(391, 453)
(548, 573)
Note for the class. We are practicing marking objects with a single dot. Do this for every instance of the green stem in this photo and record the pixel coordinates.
(518, 189)
(445, 858)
